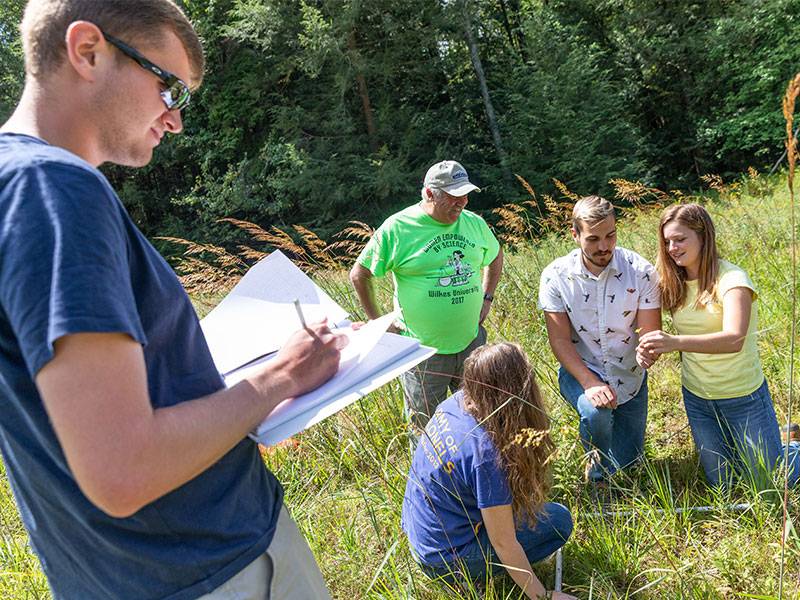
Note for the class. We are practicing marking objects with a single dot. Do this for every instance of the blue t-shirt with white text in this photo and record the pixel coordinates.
(455, 473)
(72, 261)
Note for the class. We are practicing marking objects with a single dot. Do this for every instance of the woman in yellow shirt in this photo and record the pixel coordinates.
(712, 303)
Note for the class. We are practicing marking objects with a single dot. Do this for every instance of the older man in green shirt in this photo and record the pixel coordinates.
(446, 264)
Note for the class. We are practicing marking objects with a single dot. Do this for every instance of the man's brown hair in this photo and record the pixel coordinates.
(590, 210)
(44, 28)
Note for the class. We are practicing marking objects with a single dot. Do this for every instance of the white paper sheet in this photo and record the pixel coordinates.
(345, 391)
(370, 349)
(258, 315)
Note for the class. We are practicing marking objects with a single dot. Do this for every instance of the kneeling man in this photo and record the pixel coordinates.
(597, 300)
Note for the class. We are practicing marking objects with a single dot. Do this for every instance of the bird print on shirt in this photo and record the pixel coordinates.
(603, 315)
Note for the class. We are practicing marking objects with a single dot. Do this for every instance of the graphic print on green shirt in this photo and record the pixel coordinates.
(437, 273)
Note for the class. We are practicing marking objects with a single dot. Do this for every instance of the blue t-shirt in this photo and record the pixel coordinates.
(71, 261)
(454, 474)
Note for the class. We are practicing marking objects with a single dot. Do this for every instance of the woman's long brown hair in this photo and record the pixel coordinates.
(500, 391)
(672, 278)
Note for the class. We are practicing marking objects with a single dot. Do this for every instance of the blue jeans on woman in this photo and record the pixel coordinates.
(552, 530)
(739, 434)
(616, 433)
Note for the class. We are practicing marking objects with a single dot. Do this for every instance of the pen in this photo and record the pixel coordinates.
(299, 312)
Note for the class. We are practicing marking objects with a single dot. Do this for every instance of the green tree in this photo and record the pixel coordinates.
(751, 56)
(568, 115)
(12, 70)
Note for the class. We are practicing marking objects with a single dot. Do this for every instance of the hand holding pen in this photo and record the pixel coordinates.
(310, 356)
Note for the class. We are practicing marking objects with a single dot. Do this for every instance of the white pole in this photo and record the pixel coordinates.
(559, 567)
(701, 509)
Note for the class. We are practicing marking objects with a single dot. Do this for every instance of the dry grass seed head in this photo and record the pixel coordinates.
(528, 187)
(350, 241)
(789, 99)
(513, 226)
(561, 187)
(714, 182)
(636, 193)
(251, 254)
(317, 248)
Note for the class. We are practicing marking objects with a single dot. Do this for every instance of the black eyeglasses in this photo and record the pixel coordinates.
(176, 96)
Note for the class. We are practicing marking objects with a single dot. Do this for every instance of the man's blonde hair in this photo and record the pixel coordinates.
(590, 210)
(44, 28)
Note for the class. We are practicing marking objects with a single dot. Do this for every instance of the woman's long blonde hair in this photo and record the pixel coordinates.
(500, 391)
(672, 278)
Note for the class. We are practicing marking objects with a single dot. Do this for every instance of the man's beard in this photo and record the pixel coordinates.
(592, 260)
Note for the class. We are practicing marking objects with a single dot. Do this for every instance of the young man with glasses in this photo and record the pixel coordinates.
(128, 458)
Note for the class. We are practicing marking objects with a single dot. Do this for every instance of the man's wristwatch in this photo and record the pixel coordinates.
(487, 297)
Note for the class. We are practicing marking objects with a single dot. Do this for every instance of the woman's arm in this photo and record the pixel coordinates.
(736, 305)
(499, 523)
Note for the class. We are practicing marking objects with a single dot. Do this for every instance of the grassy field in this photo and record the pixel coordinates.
(345, 478)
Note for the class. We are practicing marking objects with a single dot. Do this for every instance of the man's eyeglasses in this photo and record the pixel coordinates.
(176, 96)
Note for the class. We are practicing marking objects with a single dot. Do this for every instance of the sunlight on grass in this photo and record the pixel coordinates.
(345, 479)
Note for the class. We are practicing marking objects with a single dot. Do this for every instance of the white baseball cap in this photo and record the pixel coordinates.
(451, 177)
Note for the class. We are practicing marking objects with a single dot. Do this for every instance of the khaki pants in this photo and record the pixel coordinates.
(426, 385)
(286, 571)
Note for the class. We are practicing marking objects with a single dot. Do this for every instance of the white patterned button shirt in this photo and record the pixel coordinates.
(602, 312)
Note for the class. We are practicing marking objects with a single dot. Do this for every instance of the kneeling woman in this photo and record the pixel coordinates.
(727, 400)
(475, 497)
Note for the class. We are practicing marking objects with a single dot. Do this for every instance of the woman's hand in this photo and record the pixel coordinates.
(657, 342)
(644, 358)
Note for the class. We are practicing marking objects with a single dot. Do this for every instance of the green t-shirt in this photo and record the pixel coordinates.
(437, 273)
(718, 376)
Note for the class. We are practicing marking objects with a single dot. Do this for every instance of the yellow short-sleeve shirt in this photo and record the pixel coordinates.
(718, 376)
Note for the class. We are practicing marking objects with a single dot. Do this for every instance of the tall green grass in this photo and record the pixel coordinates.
(345, 480)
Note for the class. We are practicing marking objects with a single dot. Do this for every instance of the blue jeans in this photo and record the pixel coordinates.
(552, 530)
(739, 434)
(616, 433)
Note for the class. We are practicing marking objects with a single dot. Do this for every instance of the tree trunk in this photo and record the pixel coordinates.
(512, 31)
(363, 92)
(487, 100)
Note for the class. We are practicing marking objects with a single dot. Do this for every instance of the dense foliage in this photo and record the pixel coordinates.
(321, 111)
